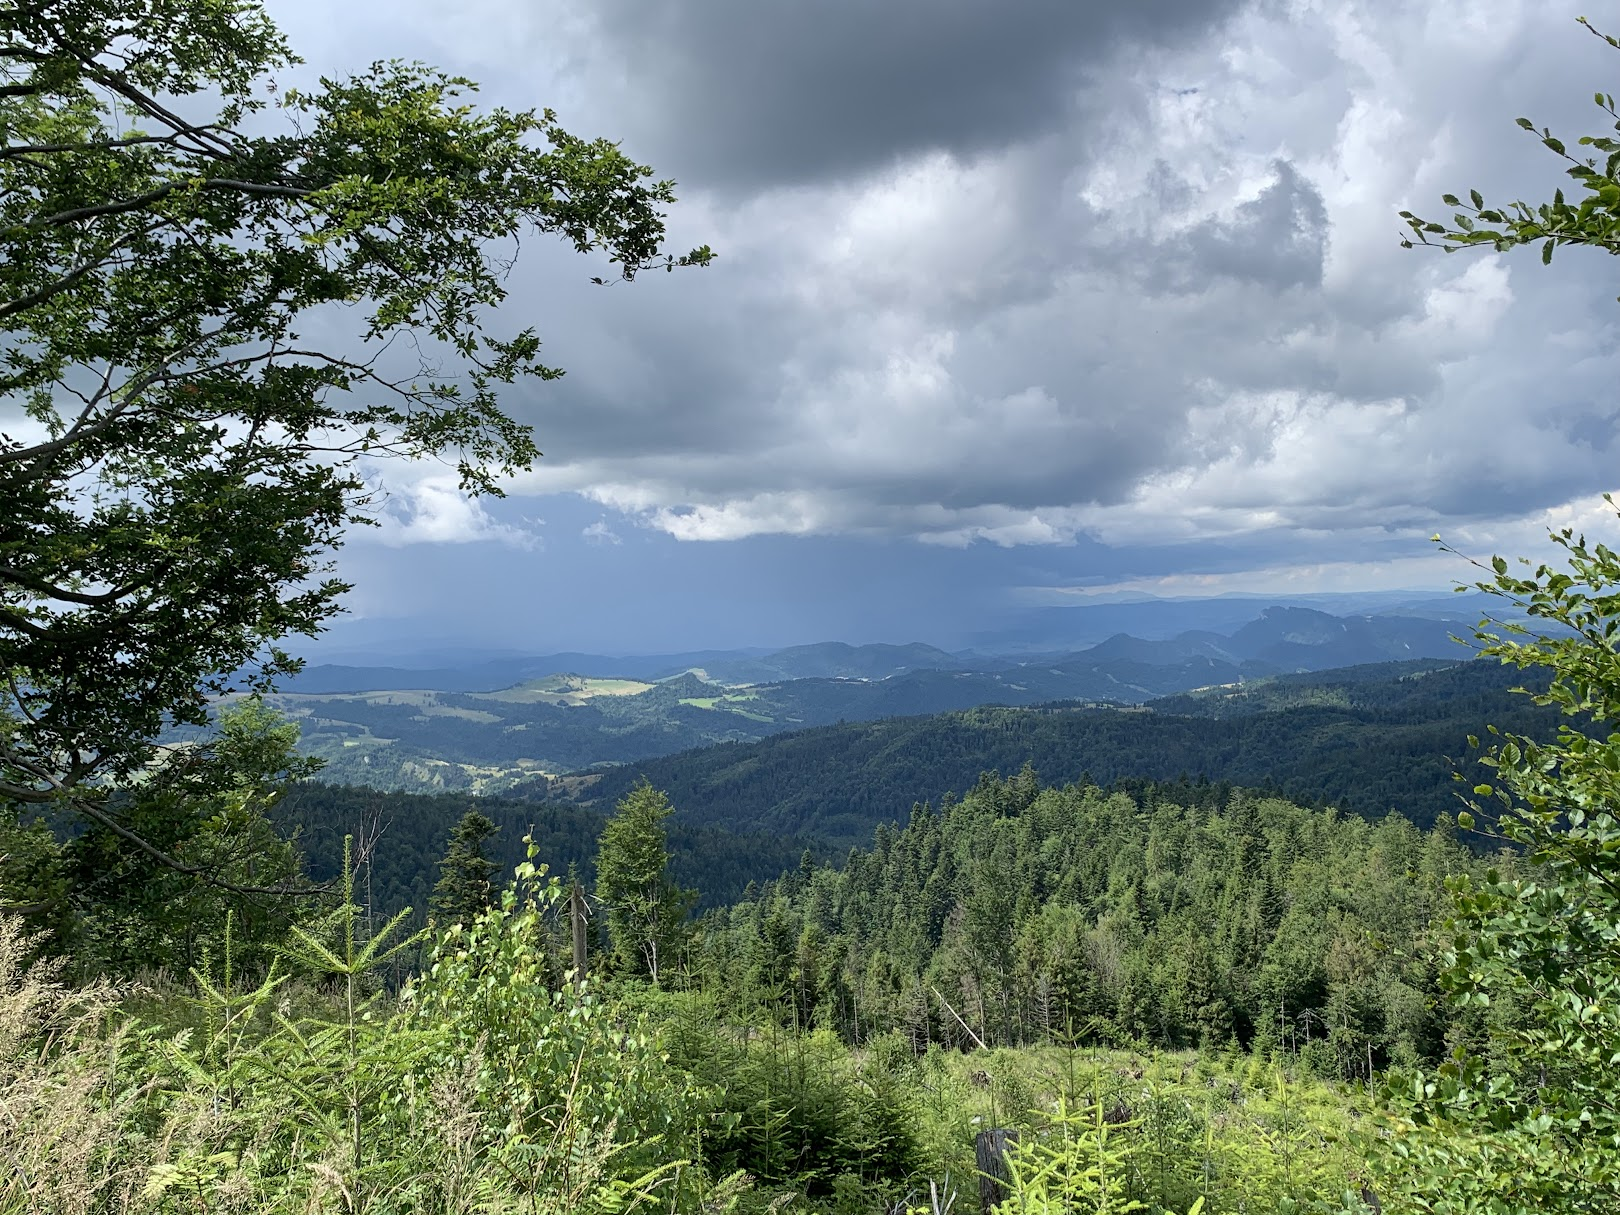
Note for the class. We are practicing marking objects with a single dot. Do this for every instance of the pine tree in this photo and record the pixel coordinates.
(466, 875)
(646, 912)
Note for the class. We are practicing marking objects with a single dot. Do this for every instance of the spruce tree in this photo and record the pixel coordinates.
(466, 875)
(646, 912)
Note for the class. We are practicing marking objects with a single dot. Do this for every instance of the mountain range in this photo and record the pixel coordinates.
(496, 724)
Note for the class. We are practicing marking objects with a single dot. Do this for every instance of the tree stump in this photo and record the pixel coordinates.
(990, 1152)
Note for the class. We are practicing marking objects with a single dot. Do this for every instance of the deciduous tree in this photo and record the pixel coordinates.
(1531, 1122)
(217, 295)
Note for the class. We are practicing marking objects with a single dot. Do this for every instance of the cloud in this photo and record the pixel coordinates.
(1052, 273)
(600, 533)
(432, 509)
(746, 96)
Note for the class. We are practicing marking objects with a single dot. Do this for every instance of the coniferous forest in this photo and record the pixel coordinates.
(1259, 964)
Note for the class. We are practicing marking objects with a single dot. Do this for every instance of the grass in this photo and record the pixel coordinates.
(729, 702)
(565, 690)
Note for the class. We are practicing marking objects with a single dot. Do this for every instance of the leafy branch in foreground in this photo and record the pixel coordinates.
(1529, 1119)
(216, 298)
(1593, 221)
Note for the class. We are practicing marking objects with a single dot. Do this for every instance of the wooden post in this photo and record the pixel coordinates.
(577, 917)
(990, 1153)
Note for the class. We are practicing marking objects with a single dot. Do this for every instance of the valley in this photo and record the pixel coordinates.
(464, 729)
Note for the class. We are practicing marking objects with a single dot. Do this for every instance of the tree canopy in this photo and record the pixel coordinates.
(466, 884)
(178, 458)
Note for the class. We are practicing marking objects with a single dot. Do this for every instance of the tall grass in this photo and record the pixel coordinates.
(483, 1090)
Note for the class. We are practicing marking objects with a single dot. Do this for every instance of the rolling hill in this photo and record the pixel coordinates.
(453, 732)
(1367, 741)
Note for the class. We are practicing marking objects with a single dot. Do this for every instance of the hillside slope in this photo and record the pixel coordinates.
(428, 737)
(1364, 745)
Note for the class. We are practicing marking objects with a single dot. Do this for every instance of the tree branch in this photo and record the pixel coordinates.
(142, 201)
(95, 813)
(69, 277)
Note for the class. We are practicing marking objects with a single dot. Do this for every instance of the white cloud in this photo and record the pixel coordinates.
(600, 533)
(432, 509)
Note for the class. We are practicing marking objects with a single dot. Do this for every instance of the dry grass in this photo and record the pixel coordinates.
(56, 1061)
(103, 1113)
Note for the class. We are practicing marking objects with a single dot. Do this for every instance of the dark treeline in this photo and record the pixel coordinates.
(1365, 747)
(403, 837)
(1021, 915)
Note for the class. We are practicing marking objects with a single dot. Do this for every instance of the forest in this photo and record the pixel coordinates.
(1367, 740)
(1255, 962)
(424, 731)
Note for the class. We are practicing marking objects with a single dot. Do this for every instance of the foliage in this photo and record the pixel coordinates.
(798, 1110)
(404, 835)
(134, 911)
(646, 912)
(563, 1071)
(1079, 1165)
(33, 878)
(1166, 1137)
(436, 1105)
(1021, 914)
(1232, 1132)
(1594, 221)
(1529, 1119)
(466, 875)
(169, 223)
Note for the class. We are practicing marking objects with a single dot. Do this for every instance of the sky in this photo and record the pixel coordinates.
(1015, 304)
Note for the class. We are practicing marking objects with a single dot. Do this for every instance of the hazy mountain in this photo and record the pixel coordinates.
(1189, 645)
(1257, 641)
(494, 724)
(1295, 638)
(1054, 629)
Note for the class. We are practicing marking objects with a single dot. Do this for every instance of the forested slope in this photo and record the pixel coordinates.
(1039, 914)
(410, 831)
(1366, 746)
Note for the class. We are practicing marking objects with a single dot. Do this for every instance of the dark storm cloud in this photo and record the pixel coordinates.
(749, 93)
(1047, 273)
(1276, 240)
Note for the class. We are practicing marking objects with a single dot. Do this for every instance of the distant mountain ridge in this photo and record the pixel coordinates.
(1273, 639)
(482, 730)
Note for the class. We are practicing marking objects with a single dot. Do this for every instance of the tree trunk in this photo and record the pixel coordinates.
(576, 914)
(990, 1152)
